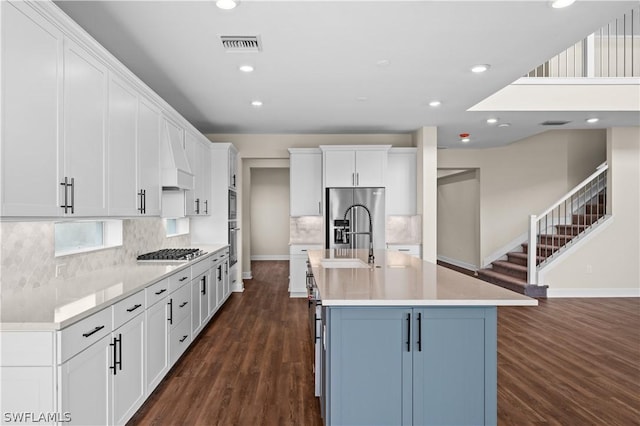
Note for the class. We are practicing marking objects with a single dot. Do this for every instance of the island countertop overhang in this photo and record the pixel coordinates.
(397, 279)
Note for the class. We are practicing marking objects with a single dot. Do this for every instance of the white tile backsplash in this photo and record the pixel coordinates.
(404, 229)
(27, 251)
(306, 230)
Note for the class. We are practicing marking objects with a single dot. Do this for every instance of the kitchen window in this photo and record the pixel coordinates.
(85, 236)
(177, 226)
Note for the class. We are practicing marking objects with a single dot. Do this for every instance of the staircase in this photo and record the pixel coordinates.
(581, 208)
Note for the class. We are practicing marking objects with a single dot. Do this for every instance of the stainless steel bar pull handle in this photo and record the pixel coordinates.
(204, 285)
(170, 318)
(114, 353)
(144, 201)
(140, 196)
(197, 205)
(206, 206)
(134, 307)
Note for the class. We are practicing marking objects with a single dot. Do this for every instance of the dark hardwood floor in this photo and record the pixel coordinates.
(565, 362)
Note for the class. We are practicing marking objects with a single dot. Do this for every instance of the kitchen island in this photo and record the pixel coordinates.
(406, 342)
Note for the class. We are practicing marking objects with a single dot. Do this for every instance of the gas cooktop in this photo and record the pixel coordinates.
(177, 255)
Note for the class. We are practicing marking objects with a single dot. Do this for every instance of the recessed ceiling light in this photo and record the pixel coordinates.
(226, 4)
(592, 120)
(256, 103)
(435, 103)
(492, 120)
(362, 99)
(246, 68)
(480, 68)
(465, 140)
(382, 62)
(559, 4)
(504, 125)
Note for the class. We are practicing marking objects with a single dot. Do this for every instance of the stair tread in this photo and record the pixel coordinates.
(510, 265)
(508, 278)
(573, 226)
(522, 255)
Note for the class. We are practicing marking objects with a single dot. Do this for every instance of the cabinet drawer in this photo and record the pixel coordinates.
(200, 267)
(84, 333)
(301, 250)
(128, 308)
(179, 279)
(411, 249)
(180, 305)
(179, 340)
(156, 292)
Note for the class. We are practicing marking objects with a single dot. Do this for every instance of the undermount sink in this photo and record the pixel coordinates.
(343, 263)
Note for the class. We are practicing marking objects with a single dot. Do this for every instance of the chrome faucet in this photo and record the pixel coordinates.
(370, 233)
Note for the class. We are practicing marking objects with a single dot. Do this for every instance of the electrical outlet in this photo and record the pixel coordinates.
(60, 269)
(589, 269)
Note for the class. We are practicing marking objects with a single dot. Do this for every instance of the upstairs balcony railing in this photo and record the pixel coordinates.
(612, 51)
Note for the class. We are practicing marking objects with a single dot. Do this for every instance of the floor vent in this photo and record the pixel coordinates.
(554, 123)
(241, 43)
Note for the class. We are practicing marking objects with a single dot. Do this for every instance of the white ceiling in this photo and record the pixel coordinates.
(319, 69)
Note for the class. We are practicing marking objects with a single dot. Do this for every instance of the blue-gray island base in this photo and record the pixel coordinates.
(406, 342)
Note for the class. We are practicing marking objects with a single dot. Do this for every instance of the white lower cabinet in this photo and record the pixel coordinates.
(128, 390)
(157, 337)
(104, 384)
(86, 385)
(298, 269)
(100, 370)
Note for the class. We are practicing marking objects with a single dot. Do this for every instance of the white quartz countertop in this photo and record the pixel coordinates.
(397, 279)
(61, 302)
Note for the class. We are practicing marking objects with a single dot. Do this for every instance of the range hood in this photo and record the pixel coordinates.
(176, 173)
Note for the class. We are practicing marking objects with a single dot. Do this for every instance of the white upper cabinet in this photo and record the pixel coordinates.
(198, 199)
(233, 168)
(351, 166)
(148, 155)
(306, 182)
(31, 71)
(121, 148)
(401, 181)
(84, 125)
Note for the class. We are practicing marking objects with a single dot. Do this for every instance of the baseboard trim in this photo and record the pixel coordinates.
(458, 263)
(592, 292)
(270, 257)
(246, 275)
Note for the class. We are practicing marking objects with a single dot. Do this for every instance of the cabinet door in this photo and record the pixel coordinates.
(85, 105)
(128, 382)
(401, 183)
(339, 168)
(297, 274)
(121, 148)
(157, 354)
(225, 279)
(371, 168)
(455, 370)
(205, 179)
(213, 291)
(233, 169)
(200, 303)
(220, 287)
(86, 384)
(31, 67)
(194, 158)
(306, 184)
(369, 367)
(149, 157)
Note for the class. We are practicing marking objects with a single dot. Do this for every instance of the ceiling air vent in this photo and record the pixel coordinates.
(241, 43)
(554, 123)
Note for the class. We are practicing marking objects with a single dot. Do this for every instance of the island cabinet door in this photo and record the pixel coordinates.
(369, 377)
(454, 366)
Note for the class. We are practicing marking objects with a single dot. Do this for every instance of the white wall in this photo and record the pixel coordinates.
(607, 263)
(525, 178)
(459, 219)
(269, 213)
(426, 140)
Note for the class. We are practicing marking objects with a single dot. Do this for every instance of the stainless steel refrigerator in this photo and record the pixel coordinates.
(350, 215)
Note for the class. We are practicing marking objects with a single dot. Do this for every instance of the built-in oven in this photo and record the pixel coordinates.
(233, 205)
(315, 328)
(233, 243)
